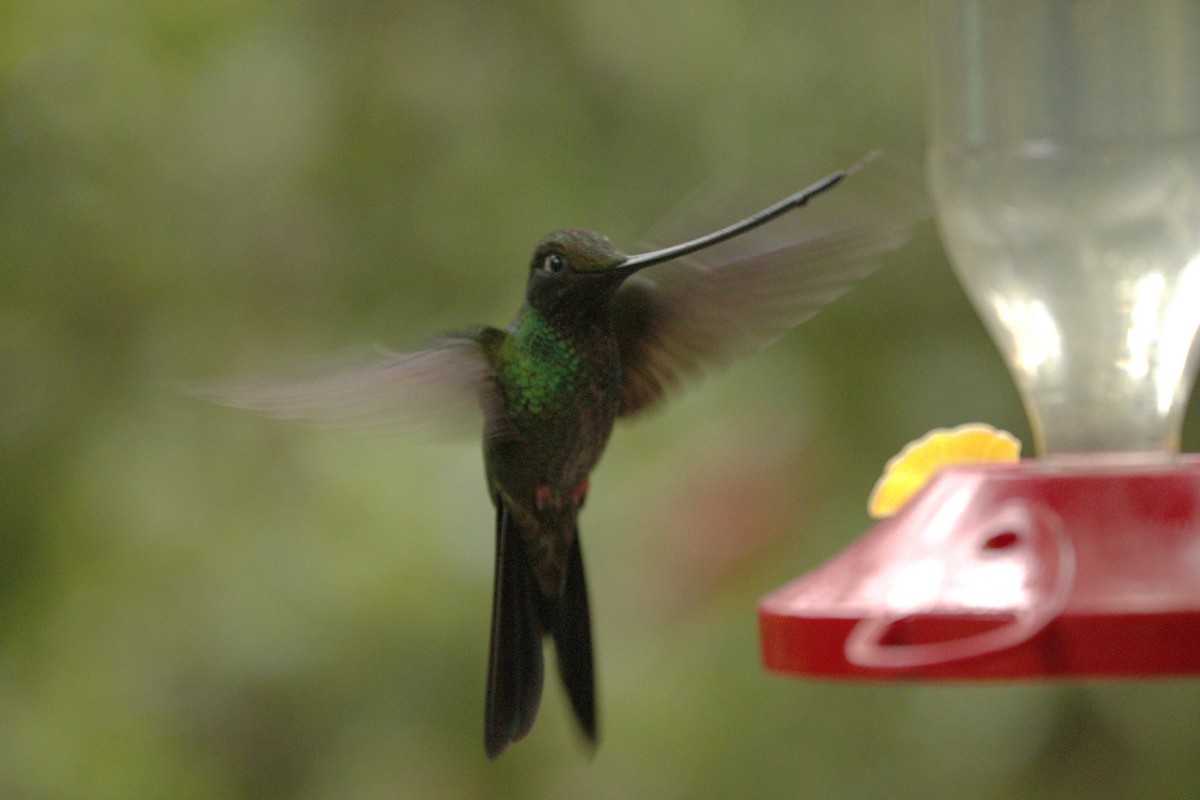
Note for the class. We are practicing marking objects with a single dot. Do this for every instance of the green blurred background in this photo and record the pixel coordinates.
(198, 603)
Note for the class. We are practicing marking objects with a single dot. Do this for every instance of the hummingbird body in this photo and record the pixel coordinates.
(558, 375)
(558, 385)
(560, 395)
(596, 340)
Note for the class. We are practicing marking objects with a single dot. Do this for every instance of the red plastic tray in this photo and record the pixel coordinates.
(1008, 571)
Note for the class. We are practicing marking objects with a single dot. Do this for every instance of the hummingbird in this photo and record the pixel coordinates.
(598, 338)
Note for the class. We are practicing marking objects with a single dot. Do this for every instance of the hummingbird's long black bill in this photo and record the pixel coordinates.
(800, 198)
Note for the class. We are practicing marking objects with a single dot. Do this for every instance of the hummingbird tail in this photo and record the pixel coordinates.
(572, 631)
(514, 683)
(521, 616)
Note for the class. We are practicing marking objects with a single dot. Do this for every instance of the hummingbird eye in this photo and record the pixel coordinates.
(554, 263)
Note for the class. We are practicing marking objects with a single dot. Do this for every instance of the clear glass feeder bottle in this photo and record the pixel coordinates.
(1064, 164)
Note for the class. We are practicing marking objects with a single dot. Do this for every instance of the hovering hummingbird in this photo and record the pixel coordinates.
(597, 339)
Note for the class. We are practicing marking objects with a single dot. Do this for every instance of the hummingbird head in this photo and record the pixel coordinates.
(574, 269)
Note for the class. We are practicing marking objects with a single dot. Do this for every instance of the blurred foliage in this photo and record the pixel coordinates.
(196, 603)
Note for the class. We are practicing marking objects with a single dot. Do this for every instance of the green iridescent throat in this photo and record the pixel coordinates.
(541, 368)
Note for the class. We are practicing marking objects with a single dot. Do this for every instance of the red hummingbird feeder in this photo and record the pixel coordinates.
(1065, 172)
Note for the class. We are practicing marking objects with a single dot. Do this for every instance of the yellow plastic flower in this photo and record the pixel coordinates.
(912, 467)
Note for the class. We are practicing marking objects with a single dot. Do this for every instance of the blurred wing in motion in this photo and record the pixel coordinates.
(707, 309)
(438, 390)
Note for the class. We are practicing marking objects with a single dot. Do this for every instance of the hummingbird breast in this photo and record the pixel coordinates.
(561, 396)
(561, 393)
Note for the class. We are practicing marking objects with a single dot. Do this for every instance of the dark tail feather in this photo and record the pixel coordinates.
(572, 633)
(514, 685)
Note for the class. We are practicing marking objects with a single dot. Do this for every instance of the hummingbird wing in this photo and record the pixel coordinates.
(707, 309)
(439, 389)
